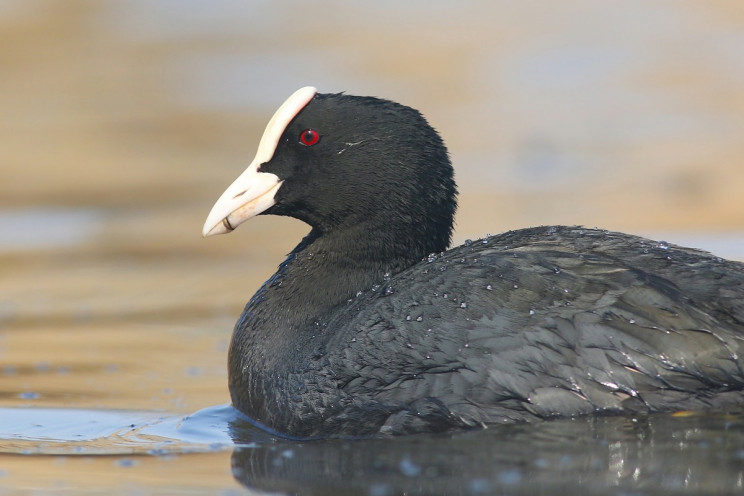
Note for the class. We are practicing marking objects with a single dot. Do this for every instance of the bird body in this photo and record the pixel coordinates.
(370, 327)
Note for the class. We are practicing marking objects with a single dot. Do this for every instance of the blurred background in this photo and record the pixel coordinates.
(124, 120)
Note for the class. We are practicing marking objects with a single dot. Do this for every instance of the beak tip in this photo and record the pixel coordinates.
(216, 229)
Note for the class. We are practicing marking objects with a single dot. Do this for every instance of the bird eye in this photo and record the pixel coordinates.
(309, 137)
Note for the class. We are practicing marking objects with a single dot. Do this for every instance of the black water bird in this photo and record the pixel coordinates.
(370, 327)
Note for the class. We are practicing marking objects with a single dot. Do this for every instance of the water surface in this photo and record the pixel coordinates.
(125, 120)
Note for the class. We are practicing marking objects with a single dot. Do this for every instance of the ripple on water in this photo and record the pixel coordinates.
(68, 431)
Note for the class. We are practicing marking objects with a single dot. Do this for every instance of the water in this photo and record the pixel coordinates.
(46, 228)
(654, 455)
(126, 120)
(681, 453)
(67, 431)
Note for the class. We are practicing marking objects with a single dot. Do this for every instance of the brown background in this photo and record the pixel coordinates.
(123, 121)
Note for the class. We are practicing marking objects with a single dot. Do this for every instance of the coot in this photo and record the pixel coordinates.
(370, 327)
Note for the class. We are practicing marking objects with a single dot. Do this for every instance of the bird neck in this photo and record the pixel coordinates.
(284, 324)
(328, 269)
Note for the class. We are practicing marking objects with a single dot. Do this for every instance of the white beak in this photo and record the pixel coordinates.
(250, 194)
(254, 191)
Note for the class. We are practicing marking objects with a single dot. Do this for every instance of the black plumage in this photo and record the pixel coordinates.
(368, 329)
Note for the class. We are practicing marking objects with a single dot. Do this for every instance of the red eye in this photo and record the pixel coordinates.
(309, 137)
